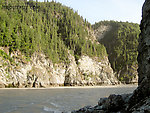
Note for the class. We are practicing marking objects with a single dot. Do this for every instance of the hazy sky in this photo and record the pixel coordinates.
(97, 10)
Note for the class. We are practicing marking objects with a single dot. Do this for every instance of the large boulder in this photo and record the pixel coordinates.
(112, 104)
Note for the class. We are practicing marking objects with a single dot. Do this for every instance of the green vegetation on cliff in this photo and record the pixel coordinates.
(121, 42)
(47, 27)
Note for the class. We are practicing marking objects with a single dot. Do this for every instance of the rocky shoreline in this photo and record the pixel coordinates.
(117, 104)
(112, 104)
(40, 71)
(80, 87)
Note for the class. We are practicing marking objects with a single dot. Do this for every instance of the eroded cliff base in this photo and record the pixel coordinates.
(40, 71)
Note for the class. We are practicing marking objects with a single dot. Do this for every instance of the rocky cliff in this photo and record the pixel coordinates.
(142, 93)
(101, 31)
(39, 71)
(139, 101)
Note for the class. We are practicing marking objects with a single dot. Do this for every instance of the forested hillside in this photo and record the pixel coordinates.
(58, 32)
(121, 42)
(46, 27)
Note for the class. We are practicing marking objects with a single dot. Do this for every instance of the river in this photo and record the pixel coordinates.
(55, 100)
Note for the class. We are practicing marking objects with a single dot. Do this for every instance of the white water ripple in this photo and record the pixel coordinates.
(55, 105)
(51, 110)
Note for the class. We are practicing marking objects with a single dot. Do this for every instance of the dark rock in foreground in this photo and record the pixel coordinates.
(112, 104)
(117, 104)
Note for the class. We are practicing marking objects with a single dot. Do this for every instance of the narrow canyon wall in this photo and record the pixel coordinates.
(143, 90)
(144, 45)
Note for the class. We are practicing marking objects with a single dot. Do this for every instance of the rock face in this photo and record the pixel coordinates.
(100, 72)
(39, 71)
(144, 45)
(143, 90)
(101, 31)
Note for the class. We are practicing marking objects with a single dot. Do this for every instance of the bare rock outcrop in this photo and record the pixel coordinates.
(100, 72)
(101, 31)
(40, 71)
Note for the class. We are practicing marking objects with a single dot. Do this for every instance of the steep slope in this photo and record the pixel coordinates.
(46, 43)
(121, 41)
(46, 27)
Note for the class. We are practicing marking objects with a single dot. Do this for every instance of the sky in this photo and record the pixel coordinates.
(99, 10)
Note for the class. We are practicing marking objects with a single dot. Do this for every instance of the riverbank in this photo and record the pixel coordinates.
(81, 87)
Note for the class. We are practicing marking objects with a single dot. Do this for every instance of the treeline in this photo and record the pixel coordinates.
(121, 42)
(47, 27)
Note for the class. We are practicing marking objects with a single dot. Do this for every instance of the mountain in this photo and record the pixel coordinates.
(46, 43)
(46, 27)
(121, 42)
